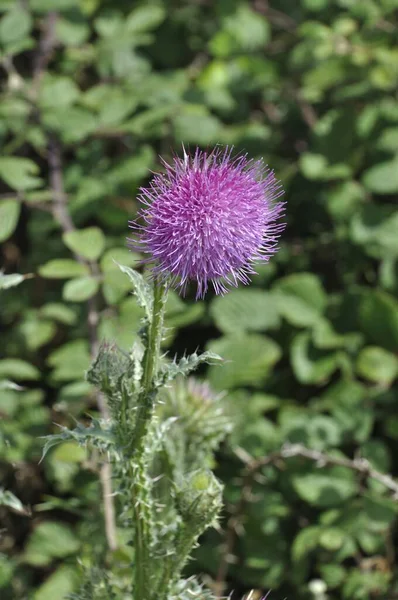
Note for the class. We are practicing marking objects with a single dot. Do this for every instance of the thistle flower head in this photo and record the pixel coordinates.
(208, 219)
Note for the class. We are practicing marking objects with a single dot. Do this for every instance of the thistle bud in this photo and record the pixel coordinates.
(199, 498)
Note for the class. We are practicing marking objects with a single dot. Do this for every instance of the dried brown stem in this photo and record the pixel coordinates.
(60, 200)
(276, 17)
(47, 44)
(359, 465)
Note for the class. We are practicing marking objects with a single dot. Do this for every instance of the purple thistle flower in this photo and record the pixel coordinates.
(208, 218)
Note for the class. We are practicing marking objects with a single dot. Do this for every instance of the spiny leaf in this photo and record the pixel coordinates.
(141, 288)
(187, 364)
(189, 589)
(95, 434)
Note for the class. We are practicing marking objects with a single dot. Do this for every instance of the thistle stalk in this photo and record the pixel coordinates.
(142, 521)
(174, 564)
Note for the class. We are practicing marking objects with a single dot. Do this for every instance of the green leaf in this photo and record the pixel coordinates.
(305, 542)
(248, 360)
(194, 124)
(69, 452)
(333, 575)
(370, 542)
(313, 166)
(80, 289)
(7, 281)
(59, 584)
(315, 5)
(75, 391)
(113, 256)
(9, 214)
(63, 268)
(245, 310)
(242, 30)
(300, 298)
(375, 229)
(191, 314)
(258, 437)
(325, 337)
(382, 178)
(179, 314)
(50, 541)
(88, 243)
(186, 365)
(381, 512)
(70, 361)
(141, 289)
(48, 5)
(343, 199)
(323, 432)
(7, 498)
(332, 538)
(378, 316)
(16, 368)
(388, 140)
(144, 18)
(71, 32)
(318, 432)
(19, 173)
(59, 312)
(310, 364)
(348, 402)
(153, 118)
(305, 286)
(325, 490)
(97, 435)
(121, 327)
(36, 332)
(115, 286)
(57, 90)
(78, 124)
(377, 364)
(15, 25)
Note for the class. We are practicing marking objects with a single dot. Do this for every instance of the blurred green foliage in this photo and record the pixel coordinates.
(92, 94)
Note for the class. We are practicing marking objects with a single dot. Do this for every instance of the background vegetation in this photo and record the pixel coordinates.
(92, 94)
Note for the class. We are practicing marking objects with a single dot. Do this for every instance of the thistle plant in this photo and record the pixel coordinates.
(207, 219)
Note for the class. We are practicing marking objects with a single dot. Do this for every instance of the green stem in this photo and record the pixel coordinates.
(173, 566)
(146, 398)
(140, 481)
(142, 532)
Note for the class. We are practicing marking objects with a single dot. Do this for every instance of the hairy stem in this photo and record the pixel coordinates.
(151, 357)
(142, 529)
(173, 565)
(141, 485)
